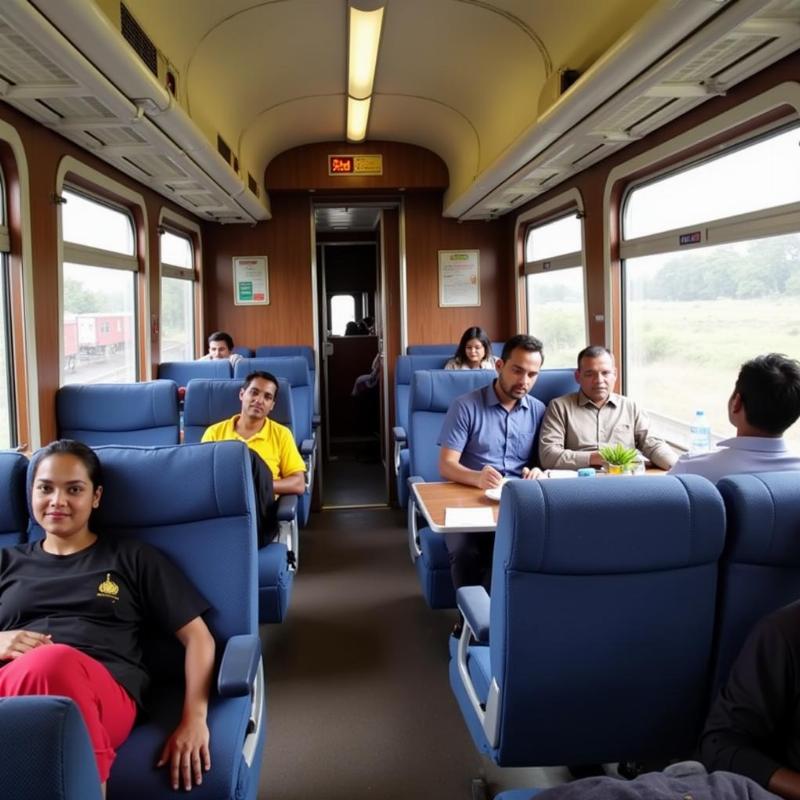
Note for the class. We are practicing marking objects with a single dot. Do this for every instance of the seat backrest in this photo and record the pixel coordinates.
(183, 371)
(244, 352)
(143, 414)
(13, 504)
(431, 394)
(760, 566)
(404, 368)
(210, 401)
(602, 614)
(295, 370)
(553, 383)
(194, 502)
(45, 750)
(304, 351)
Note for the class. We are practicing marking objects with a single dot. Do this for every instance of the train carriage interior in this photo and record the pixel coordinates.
(344, 187)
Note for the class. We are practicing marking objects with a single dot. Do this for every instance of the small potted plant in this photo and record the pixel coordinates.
(619, 459)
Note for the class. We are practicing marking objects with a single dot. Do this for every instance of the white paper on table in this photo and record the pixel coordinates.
(561, 473)
(468, 517)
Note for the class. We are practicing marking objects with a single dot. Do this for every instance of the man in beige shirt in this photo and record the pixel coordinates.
(576, 425)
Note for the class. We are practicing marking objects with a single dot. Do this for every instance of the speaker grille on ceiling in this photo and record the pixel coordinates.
(138, 39)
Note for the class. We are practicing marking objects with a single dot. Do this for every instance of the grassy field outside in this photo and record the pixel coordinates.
(685, 355)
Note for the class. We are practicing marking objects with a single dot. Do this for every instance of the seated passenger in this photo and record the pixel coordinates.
(352, 328)
(577, 425)
(754, 725)
(72, 610)
(364, 383)
(271, 444)
(765, 402)
(489, 434)
(474, 351)
(220, 345)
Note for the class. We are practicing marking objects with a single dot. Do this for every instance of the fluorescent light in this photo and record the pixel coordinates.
(365, 36)
(357, 117)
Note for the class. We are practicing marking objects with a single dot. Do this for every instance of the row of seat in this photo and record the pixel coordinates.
(196, 504)
(430, 394)
(146, 414)
(446, 349)
(617, 609)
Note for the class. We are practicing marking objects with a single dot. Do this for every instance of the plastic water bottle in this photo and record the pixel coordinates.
(699, 434)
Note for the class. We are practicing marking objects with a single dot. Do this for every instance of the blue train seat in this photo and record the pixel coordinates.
(45, 750)
(596, 643)
(760, 566)
(183, 371)
(304, 351)
(553, 383)
(13, 503)
(432, 392)
(404, 368)
(143, 414)
(208, 402)
(295, 370)
(209, 532)
(244, 352)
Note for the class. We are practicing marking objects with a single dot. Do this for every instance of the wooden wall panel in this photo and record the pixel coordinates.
(286, 242)
(405, 166)
(427, 232)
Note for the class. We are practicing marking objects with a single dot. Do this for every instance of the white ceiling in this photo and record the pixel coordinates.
(463, 78)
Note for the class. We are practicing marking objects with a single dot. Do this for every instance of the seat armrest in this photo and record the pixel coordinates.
(399, 434)
(400, 443)
(287, 507)
(239, 665)
(316, 420)
(307, 447)
(474, 603)
(413, 528)
(415, 479)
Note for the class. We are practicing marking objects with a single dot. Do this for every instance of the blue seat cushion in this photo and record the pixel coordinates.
(274, 583)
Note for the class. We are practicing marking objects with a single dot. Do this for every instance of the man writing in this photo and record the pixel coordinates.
(578, 424)
(220, 346)
(765, 402)
(278, 467)
(488, 434)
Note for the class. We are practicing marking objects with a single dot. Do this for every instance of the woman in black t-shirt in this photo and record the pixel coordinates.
(72, 607)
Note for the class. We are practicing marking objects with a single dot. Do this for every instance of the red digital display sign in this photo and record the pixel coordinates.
(340, 165)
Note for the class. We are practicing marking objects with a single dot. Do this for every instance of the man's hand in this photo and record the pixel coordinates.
(14, 644)
(489, 478)
(187, 753)
(596, 460)
(532, 474)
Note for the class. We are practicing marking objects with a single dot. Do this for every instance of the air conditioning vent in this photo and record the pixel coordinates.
(252, 185)
(138, 39)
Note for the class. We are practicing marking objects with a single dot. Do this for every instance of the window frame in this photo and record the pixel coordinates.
(7, 334)
(172, 271)
(76, 177)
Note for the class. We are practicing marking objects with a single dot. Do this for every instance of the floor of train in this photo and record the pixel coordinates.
(358, 699)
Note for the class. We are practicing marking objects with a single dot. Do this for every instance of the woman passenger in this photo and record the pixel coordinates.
(474, 351)
(72, 607)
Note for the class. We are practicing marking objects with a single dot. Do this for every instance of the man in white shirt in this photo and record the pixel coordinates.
(220, 346)
(765, 402)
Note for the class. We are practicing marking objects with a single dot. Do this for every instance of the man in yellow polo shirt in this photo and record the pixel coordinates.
(270, 440)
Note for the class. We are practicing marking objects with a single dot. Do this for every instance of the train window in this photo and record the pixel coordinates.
(554, 287)
(699, 302)
(343, 310)
(7, 427)
(177, 297)
(98, 292)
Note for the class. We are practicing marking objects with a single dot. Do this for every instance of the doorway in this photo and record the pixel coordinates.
(351, 318)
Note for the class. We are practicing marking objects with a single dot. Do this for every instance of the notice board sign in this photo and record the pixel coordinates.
(459, 278)
(250, 281)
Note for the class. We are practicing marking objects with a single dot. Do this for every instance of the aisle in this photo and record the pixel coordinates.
(358, 699)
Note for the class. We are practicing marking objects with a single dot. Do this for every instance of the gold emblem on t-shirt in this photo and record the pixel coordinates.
(108, 588)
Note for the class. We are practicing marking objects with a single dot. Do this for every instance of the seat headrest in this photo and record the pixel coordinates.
(303, 350)
(14, 506)
(763, 518)
(435, 390)
(609, 524)
(406, 366)
(183, 371)
(293, 368)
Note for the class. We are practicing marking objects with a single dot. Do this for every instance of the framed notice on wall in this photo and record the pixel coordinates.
(459, 278)
(250, 281)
